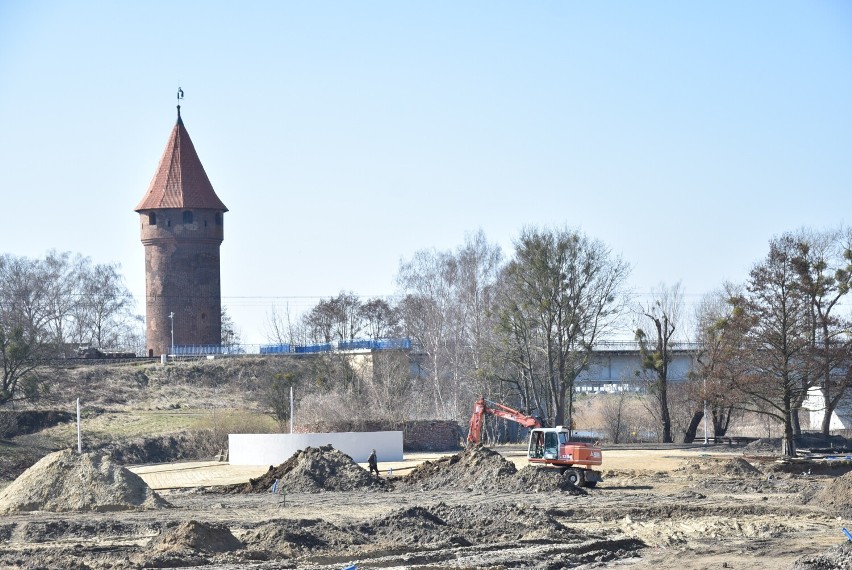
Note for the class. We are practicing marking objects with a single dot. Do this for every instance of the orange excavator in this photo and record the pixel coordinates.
(547, 446)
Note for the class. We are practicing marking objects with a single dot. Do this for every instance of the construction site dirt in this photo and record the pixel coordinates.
(662, 508)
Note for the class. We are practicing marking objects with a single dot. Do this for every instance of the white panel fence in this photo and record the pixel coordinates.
(275, 448)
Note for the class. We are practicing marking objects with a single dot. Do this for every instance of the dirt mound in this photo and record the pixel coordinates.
(197, 537)
(765, 446)
(731, 467)
(289, 537)
(315, 469)
(448, 526)
(476, 468)
(412, 527)
(494, 522)
(66, 481)
(839, 556)
(836, 495)
(188, 544)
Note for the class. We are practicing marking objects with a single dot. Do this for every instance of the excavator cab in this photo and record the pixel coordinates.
(544, 444)
(551, 446)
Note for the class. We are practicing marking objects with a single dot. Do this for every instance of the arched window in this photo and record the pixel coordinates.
(218, 219)
(187, 217)
(152, 219)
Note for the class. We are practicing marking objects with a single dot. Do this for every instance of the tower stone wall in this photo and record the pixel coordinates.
(182, 278)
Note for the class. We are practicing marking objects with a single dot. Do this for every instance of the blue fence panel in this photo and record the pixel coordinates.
(274, 348)
(311, 348)
(355, 344)
(393, 343)
(381, 344)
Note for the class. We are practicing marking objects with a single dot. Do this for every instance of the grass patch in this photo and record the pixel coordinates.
(116, 425)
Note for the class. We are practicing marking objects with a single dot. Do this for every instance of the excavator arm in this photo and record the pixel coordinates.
(483, 406)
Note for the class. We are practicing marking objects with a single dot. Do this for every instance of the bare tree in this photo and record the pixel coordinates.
(105, 305)
(380, 319)
(65, 278)
(446, 310)
(337, 318)
(21, 356)
(48, 303)
(614, 414)
(320, 321)
(823, 262)
(282, 328)
(25, 297)
(274, 395)
(721, 358)
(391, 390)
(428, 279)
(562, 292)
(663, 314)
(26, 338)
(479, 265)
(230, 334)
(776, 339)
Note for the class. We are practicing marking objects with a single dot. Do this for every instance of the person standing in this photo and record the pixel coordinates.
(373, 463)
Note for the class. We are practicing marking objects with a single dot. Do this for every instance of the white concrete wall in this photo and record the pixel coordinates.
(276, 448)
(841, 418)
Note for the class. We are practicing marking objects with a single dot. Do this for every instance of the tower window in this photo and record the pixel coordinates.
(218, 219)
(152, 219)
(187, 217)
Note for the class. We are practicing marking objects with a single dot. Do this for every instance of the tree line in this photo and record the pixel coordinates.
(51, 306)
(521, 330)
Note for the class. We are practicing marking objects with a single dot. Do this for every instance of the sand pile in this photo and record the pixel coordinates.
(765, 446)
(190, 543)
(488, 523)
(836, 495)
(413, 527)
(732, 467)
(66, 481)
(447, 526)
(292, 537)
(476, 468)
(315, 469)
(197, 537)
(479, 468)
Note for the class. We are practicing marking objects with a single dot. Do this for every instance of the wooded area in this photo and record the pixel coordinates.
(517, 330)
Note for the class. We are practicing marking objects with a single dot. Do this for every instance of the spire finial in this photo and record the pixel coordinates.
(179, 98)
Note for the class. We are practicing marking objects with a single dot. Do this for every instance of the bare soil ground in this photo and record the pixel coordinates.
(663, 508)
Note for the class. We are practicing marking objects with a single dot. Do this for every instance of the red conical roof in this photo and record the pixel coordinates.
(180, 181)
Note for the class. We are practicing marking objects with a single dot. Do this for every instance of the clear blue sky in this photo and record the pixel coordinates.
(345, 136)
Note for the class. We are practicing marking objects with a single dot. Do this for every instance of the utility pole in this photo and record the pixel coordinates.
(172, 317)
(705, 412)
(79, 439)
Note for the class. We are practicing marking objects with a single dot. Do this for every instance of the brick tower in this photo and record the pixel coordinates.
(182, 229)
